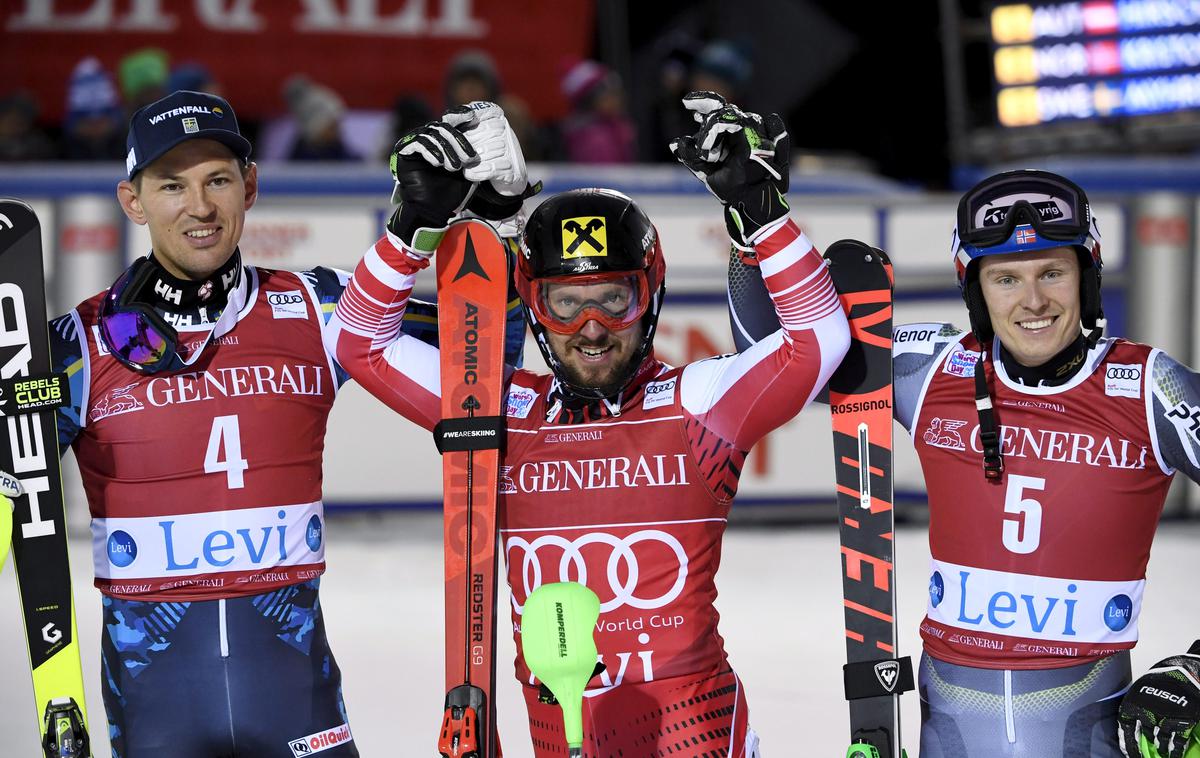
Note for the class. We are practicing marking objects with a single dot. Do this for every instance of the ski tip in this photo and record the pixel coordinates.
(13, 202)
(16, 216)
(849, 250)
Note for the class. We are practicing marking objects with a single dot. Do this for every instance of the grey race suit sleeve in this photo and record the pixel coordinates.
(1175, 415)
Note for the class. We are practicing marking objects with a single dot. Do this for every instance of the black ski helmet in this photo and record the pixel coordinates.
(1023, 211)
(587, 236)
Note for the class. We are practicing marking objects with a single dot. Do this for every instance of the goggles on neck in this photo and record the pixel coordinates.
(563, 304)
(139, 337)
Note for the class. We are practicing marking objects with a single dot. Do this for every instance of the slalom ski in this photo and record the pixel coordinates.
(860, 402)
(29, 395)
(472, 288)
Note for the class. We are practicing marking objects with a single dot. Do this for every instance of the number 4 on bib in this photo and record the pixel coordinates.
(860, 401)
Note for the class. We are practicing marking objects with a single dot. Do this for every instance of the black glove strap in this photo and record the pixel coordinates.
(489, 204)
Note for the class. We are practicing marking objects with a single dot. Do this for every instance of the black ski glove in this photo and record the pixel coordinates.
(742, 158)
(1163, 705)
(427, 164)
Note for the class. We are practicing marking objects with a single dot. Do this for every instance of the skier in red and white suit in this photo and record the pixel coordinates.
(619, 470)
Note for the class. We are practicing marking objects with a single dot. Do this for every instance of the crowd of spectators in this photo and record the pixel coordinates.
(318, 126)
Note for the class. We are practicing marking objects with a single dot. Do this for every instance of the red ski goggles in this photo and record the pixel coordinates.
(564, 304)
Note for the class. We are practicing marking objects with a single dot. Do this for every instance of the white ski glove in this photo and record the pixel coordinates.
(503, 182)
(500, 159)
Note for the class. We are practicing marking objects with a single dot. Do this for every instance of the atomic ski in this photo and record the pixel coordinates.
(29, 397)
(472, 288)
(860, 401)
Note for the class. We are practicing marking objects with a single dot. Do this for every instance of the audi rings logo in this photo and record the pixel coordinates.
(1123, 372)
(284, 298)
(622, 568)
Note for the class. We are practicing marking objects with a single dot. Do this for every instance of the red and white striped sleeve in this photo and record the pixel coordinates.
(742, 397)
(364, 335)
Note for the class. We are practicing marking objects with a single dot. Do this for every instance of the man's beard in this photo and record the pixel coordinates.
(612, 381)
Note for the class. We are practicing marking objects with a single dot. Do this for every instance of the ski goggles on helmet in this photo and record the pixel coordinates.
(1019, 211)
(617, 300)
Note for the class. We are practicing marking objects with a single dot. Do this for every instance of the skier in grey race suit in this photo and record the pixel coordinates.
(1044, 445)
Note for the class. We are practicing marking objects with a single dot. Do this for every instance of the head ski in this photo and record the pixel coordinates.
(29, 397)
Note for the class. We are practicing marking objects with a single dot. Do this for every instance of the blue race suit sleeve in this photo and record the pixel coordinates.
(420, 318)
(66, 356)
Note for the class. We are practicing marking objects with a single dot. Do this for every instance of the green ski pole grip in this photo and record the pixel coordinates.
(556, 640)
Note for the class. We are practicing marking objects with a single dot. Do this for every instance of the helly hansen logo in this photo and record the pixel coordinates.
(584, 236)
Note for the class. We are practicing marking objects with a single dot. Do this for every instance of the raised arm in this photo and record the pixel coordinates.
(446, 169)
(743, 160)
(741, 397)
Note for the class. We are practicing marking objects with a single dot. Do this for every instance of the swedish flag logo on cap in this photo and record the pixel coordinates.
(584, 236)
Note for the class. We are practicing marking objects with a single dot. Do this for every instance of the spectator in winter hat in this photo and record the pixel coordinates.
(318, 112)
(143, 76)
(722, 67)
(194, 77)
(472, 75)
(598, 129)
(20, 138)
(94, 126)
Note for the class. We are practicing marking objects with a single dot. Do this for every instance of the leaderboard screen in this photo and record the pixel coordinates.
(1094, 59)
